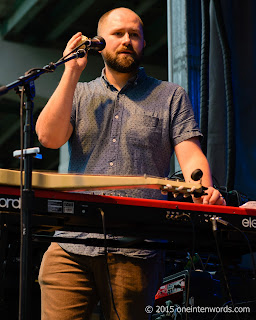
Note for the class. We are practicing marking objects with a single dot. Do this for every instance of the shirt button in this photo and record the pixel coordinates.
(114, 140)
(111, 164)
(116, 117)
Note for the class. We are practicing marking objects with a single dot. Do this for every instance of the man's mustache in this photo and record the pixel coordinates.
(127, 48)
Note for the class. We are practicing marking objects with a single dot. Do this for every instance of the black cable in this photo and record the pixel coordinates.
(207, 261)
(190, 256)
(192, 264)
(236, 304)
(177, 175)
(21, 187)
(247, 240)
(106, 260)
(202, 264)
(225, 304)
(226, 223)
(214, 229)
(191, 260)
(21, 141)
(204, 72)
(231, 147)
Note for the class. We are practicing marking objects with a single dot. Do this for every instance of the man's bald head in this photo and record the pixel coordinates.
(108, 15)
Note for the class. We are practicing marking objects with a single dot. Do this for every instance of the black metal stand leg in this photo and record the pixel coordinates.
(27, 203)
(3, 249)
(25, 256)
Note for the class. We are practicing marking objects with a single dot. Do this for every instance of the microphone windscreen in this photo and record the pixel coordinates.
(84, 39)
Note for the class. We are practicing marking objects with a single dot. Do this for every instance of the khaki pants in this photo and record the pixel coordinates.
(71, 285)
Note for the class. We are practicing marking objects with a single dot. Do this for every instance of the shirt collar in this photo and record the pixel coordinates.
(140, 76)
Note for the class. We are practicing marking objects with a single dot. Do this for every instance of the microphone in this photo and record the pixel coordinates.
(97, 43)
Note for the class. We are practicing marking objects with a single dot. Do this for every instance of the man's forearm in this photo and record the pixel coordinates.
(199, 162)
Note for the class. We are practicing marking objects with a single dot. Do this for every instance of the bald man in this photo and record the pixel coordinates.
(122, 123)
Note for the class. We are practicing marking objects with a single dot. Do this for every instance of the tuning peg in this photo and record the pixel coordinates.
(197, 174)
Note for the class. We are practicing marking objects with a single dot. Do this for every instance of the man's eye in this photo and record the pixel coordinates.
(134, 35)
(118, 33)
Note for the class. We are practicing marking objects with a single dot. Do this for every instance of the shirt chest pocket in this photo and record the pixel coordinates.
(143, 130)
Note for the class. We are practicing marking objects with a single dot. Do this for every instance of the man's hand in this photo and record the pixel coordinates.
(75, 64)
(213, 197)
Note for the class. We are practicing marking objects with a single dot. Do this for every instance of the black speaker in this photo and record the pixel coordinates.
(194, 295)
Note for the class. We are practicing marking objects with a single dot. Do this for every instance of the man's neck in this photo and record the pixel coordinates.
(118, 79)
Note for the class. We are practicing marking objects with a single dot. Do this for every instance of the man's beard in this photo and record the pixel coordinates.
(123, 63)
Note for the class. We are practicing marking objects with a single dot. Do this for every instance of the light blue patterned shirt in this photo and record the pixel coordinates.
(127, 132)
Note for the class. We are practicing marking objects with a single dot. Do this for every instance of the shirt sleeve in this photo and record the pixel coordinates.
(183, 125)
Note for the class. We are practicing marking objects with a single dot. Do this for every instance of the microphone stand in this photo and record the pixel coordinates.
(27, 194)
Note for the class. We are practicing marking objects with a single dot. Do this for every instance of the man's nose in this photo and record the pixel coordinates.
(126, 39)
